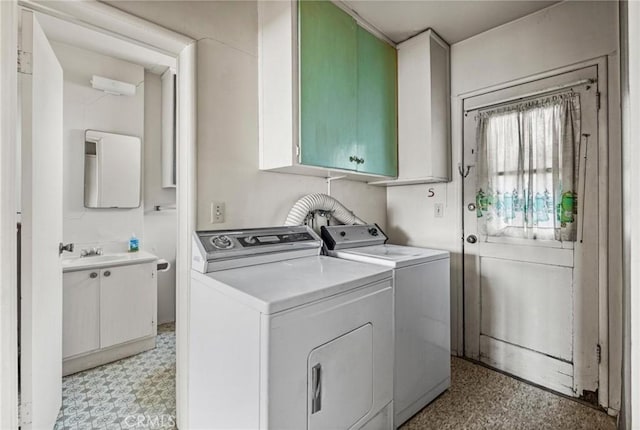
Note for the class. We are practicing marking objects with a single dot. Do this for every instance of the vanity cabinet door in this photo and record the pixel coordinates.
(81, 312)
(127, 303)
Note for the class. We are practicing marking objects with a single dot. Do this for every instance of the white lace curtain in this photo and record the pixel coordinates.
(528, 158)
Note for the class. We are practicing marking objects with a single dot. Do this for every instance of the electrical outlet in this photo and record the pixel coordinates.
(217, 212)
(438, 210)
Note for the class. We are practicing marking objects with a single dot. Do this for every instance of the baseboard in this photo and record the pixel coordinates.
(103, 356)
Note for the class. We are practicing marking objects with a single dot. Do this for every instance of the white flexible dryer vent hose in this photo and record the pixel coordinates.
(322, 202)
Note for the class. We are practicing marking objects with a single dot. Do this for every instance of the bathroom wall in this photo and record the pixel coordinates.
(227, 88)
(87, 108)
(160, 228)
(561, 35)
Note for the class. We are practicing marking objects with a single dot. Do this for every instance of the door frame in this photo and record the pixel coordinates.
(109, 20)
(604, 141)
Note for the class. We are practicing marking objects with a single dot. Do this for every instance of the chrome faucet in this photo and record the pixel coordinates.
(90, 252)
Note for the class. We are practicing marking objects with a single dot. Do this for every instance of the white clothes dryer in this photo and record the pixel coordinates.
(283, 338)
(421, 307)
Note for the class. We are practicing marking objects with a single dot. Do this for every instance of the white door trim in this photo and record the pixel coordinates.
(8, 217)
(606, 386)
(106, 19)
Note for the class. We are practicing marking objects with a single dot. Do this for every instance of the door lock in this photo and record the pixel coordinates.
(472, 238)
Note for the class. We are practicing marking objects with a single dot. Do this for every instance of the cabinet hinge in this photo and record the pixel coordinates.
(24, 413)
(599, 353)
(25, 62)
(598, 100)
(298, 152)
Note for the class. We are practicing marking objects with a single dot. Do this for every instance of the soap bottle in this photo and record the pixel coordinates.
(134, 243)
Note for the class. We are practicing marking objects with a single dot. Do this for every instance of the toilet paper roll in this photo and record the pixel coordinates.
(163, 265)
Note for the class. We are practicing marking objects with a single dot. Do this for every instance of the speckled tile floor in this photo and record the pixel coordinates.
(133, 393)
(480, 398)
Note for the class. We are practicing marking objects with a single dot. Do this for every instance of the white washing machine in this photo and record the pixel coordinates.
(283, 338)
(422, 324)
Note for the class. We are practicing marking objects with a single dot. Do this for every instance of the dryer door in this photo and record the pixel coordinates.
(340, 380)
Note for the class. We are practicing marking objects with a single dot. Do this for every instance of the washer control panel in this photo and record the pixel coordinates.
(352, 236)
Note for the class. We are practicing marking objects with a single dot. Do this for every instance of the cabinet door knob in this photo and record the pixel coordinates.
(93, 275)
(107, 273)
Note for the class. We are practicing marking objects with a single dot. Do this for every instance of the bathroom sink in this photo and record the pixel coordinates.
(70, 264)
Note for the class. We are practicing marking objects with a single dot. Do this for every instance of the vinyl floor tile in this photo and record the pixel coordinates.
(133, 393)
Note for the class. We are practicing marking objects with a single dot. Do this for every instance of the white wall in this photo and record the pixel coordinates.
(87, 108)
(559, 36)
(159, 227)
(227, 68)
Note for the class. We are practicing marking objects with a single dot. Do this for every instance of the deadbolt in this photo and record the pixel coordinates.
(472, 238)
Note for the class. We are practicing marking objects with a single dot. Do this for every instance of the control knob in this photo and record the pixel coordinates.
(221, 242)
(343, 234)
(373, 231)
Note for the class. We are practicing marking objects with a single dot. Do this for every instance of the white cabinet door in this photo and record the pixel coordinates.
(127, 303)
(81, 312)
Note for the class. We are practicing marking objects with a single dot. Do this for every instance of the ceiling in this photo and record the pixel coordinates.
(453, 20)
(82, 37)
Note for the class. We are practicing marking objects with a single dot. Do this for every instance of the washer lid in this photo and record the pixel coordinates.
(274, 287)
(391, 255)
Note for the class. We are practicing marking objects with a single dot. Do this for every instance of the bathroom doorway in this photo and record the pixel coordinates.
(76, 102)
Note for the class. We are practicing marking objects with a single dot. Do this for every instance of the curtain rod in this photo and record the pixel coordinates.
(532, 94)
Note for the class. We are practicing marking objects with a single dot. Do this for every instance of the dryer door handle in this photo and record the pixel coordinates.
(316, 388)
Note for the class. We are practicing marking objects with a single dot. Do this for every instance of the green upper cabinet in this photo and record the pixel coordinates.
(327, 93)
(348, 93)
(328, 46)
(377, 129)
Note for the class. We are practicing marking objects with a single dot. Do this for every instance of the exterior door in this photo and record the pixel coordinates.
(40, 81)
(531, 306)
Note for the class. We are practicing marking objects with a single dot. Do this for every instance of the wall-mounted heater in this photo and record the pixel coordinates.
(114, 87)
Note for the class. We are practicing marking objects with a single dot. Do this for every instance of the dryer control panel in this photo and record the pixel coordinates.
(352, 236)
(224, 249)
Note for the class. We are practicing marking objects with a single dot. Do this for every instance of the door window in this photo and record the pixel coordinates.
(527, 169)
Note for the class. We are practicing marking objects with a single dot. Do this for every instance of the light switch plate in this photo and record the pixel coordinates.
(217, 212)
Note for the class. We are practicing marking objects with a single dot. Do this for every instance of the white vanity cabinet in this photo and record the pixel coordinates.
(108, 313)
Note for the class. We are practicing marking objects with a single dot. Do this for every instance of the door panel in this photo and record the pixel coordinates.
(41, 190)
(530, 365)
(127, 303)
(81, 312)
(341, 380)
(531, 307)
(377, 105)
(525, 304)
(328, 85)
